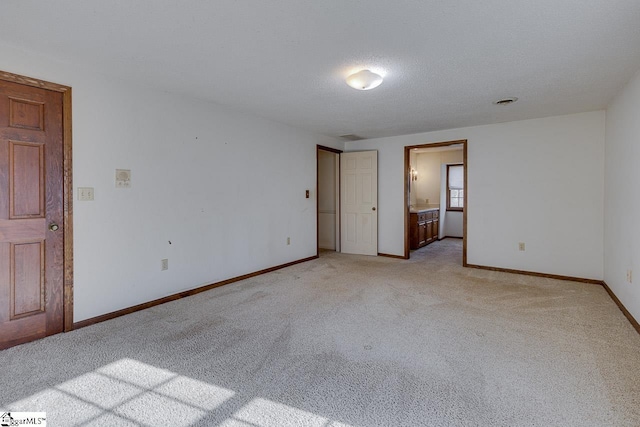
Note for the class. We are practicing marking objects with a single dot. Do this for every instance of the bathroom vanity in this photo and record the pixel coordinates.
(423, 226)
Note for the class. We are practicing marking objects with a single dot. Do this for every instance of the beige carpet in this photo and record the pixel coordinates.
(346, 341)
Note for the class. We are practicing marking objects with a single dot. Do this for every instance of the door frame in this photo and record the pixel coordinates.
(338, 152)
(407, 189)
(67, 186)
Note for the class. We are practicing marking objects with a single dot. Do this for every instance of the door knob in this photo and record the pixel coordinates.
(373, 208)
(53, 226)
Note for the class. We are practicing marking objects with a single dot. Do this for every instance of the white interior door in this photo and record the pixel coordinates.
(359, 202)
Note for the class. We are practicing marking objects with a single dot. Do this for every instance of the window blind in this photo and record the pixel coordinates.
(456, 177)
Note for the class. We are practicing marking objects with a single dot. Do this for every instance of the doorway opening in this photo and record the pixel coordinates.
(434, 210)
(328, 199)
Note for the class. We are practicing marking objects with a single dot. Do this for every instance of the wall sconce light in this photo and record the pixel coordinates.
(414, 174)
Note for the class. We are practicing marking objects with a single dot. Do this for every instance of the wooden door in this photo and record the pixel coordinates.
(429, 232)
(436, 229)
(414, 231)
(31, 213)
(422, 234)
(359, 202)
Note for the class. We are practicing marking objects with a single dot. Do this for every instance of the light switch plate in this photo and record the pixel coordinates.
(123, 178)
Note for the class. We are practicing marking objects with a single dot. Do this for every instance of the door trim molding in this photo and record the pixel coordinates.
(407, 188)
(67, 185)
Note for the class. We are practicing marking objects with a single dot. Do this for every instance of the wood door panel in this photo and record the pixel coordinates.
(26, 114)
(31, 198)
(18, 230)
(54, 206)
(366, 190)
(4, 178)
(350, 189)
(364, 228)
(54, 282)
(23, 330)
(26, 180)
(351, 227)
(350, 164)
(27, 280)
(5, 280)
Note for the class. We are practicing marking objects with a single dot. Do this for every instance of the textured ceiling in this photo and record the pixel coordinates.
(286, 60)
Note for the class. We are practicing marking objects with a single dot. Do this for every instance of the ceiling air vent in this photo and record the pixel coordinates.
(506, 101)
(351, 137)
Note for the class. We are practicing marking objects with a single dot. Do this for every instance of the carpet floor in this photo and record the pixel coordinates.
(341, 341)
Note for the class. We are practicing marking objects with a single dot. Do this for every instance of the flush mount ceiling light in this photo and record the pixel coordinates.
(506, 101)
(364, 80)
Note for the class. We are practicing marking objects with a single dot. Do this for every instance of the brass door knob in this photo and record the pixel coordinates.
(53, 226)
(373, 209)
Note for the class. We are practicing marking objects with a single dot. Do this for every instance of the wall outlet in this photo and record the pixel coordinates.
(630, 276)
(521, 246)
(85, 194)
(164, 264)
(288, 240)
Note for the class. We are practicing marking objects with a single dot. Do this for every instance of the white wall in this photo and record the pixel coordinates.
(453, 224)
(225, 188)
(622, 196)
(428, 182)
(428, 166)
(451, 156)
(534, 181)
(413, 185)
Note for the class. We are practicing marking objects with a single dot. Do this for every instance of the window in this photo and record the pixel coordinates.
(455, 187)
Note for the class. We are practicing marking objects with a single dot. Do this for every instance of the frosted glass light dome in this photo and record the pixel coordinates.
(364, 80)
